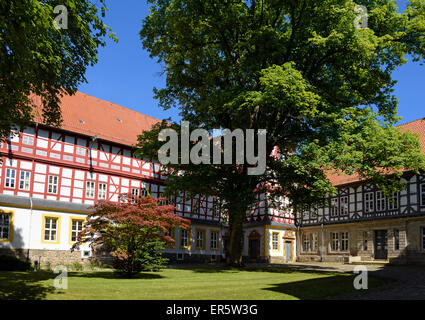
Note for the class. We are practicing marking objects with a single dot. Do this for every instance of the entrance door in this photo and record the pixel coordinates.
(381, 251)
(288, 250)
(254, 247)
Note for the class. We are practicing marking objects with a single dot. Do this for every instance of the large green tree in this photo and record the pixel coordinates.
(304, 70)
(38, 58)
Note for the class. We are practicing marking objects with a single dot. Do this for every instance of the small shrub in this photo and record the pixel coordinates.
(10, 263)
(77, 266)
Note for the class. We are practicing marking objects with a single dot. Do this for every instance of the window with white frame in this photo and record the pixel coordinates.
(24, 180)
(214, 240)
(52, 185)
(135, 194)
(343, 205)
(184, 238)
(102, 191)
(28, 140)
(50, 228)
(369, 202)
(90, 189)
(380, 201)
(76, 228)
(393, 201)
(275, 241)
(306, 243)
(334, 241)
(313, 242)
(344, 241)
(80, 151)
(200, 234)
(10, 178)
(334, 207)
(5, 225)
(144, 192)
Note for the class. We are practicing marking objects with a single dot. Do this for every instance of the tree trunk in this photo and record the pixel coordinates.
(235, 242)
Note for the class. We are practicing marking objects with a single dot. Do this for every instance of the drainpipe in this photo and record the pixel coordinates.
(29, 232)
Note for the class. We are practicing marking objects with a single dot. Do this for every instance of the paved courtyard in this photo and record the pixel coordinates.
(403, 282)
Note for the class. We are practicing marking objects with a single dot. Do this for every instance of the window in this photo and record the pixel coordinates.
(135, 192)
(144, 192)
(344, 241)
(380, 201)
(163, 202)
(90, 189)
(200, 239)
(6, 226)
(51, 229)
(184, 238)
(369, 203)
(275, 241)
(343, 205)
(214, 240)
(102, 191)
(334, 241)
(364, 241)
(334, 207)
(305, 242)
(396, 239)
(313, 242)
(24, 180)
(52, 186)
(28, 140)
(393, 201)
(10, 179)
(76, 228)
(423, 194)
(80, 151)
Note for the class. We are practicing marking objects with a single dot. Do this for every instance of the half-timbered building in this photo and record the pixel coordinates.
(50, 177)
(360, 223)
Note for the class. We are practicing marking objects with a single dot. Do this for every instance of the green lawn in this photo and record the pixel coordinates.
(194, 283)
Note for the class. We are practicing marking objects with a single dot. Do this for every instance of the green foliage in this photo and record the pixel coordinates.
(321, 87)
(146, 257)
(10, 263)
(38, 59)
(76, 266)
(133, 231)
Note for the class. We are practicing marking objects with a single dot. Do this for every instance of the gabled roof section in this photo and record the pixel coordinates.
(417, 126)
(88, 115)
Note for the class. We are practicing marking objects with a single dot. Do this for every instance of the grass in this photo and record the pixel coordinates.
(190, 283)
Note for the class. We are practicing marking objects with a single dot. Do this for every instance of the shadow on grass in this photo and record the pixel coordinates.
(24, 285)
(320, 288)
(266, 269)
(113, 275)
(324, 288)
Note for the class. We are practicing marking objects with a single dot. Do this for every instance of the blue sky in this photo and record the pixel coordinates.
(125, 74)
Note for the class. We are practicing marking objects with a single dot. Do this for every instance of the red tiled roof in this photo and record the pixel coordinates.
(417, 126)
(88, 115)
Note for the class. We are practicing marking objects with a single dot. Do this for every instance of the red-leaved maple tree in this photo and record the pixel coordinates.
(134, 231)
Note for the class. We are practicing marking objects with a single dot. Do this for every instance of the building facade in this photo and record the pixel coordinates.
(360, 223)
(50, 177)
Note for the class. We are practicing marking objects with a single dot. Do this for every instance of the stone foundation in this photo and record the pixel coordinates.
(47, 258)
